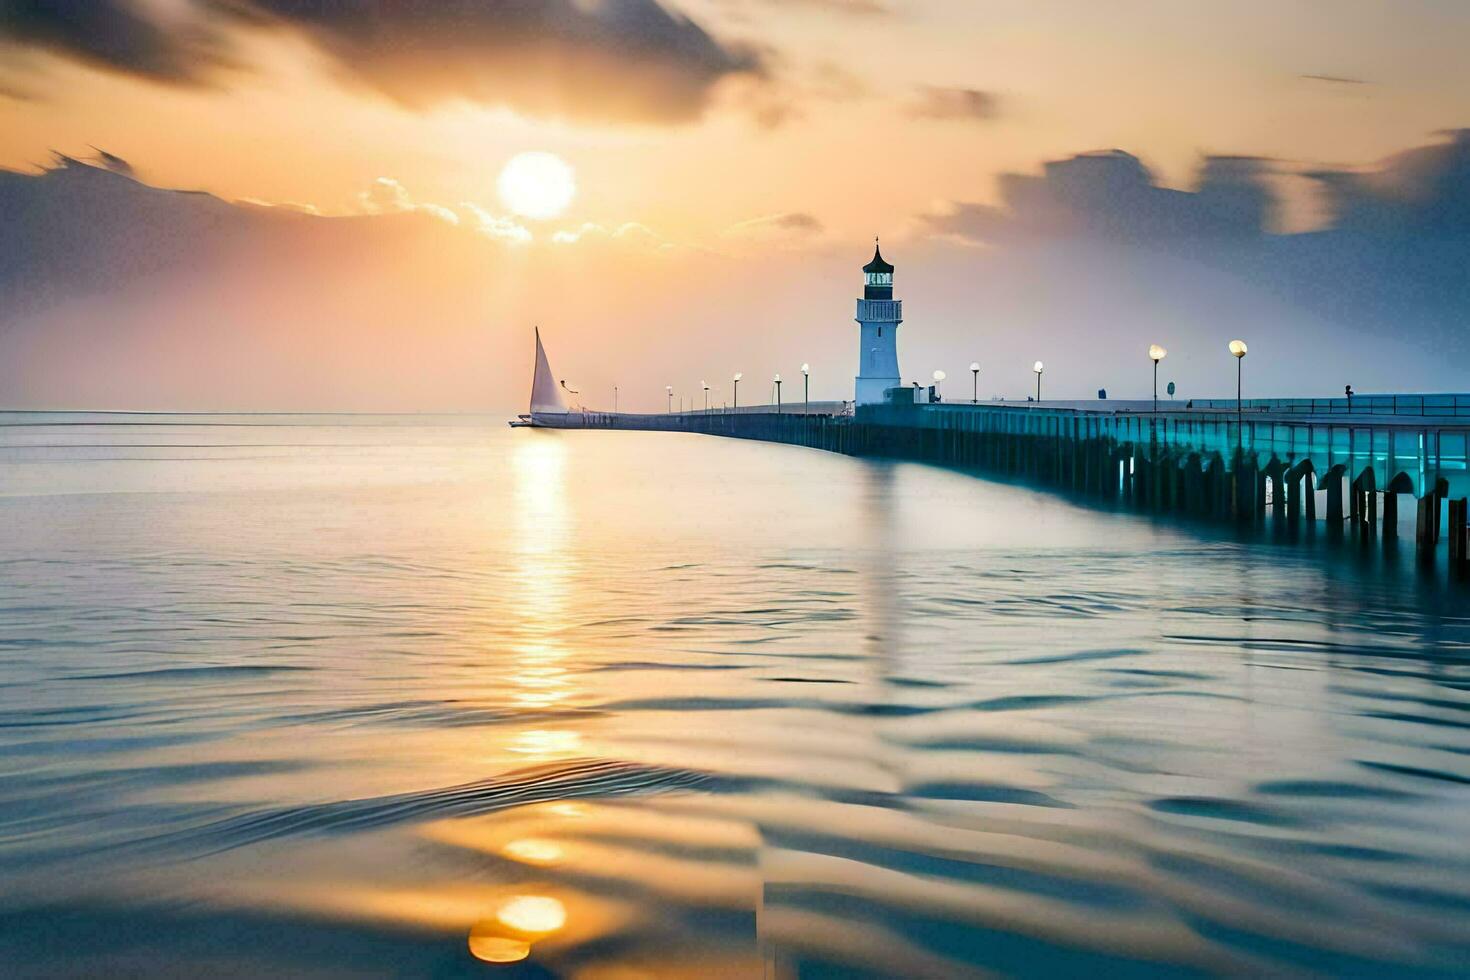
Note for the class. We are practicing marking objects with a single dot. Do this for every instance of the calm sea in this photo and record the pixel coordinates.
(298, 696)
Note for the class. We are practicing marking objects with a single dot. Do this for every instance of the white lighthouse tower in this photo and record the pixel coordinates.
(878, 314)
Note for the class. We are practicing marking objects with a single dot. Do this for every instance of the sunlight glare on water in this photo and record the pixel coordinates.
(298, 695)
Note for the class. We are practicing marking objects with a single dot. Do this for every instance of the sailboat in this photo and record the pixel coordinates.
(548, 408)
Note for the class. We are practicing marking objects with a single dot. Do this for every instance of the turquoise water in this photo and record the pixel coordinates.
(296, 695)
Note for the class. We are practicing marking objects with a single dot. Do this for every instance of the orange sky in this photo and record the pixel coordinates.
(284, 123)
(733, 160)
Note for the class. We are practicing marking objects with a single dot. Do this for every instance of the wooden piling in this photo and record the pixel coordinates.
(1457, 532)
(1424, 528)
(1193, 487)
(1441, 492)
(1457, 535)
(1220, 486)
(1390, 515)
(1334, 499)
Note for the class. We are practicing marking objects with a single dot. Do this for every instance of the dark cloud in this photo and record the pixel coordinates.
(1334, 79)
(1423, 192)
(742, 8)
(622, 60)
(936, 102)
(797, 221)
(1112, 195)
(789, 223)
(115, 163)
(113, 34)
(1420, 192)
(619, 59)
(1389, 263)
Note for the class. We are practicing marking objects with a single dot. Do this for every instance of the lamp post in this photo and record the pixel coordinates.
(975, 379)
(777, 379)
(705, 386)
(1238, 350)
(806, 389)
(738, 376)
(1038, 367)
(669, 389)
(615, 399)
(938, 376)
(1156, 354)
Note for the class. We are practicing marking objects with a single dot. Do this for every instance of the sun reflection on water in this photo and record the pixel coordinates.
(506, 937)
(545, 744)
(544, 547)
(534, 850)
(539, 677)
(498, 949)
(542, 533)
(532, 914)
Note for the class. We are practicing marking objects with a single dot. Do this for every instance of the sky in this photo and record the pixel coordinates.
(733, 160)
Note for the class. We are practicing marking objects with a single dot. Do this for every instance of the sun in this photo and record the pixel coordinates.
(537, 184)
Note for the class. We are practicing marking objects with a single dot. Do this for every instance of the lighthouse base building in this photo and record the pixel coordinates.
(878, 317)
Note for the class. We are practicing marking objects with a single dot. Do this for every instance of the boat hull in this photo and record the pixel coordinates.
(550, 420)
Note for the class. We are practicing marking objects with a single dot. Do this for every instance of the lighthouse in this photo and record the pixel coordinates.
(878, 317)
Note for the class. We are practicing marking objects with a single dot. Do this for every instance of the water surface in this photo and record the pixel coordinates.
(300, 695)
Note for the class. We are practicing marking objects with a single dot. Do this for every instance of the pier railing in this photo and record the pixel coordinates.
(1422, 406)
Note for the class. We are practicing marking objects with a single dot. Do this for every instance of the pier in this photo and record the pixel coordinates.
(1368, 464)
(1372, 467)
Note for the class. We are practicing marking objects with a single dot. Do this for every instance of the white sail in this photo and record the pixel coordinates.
(545, 395)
